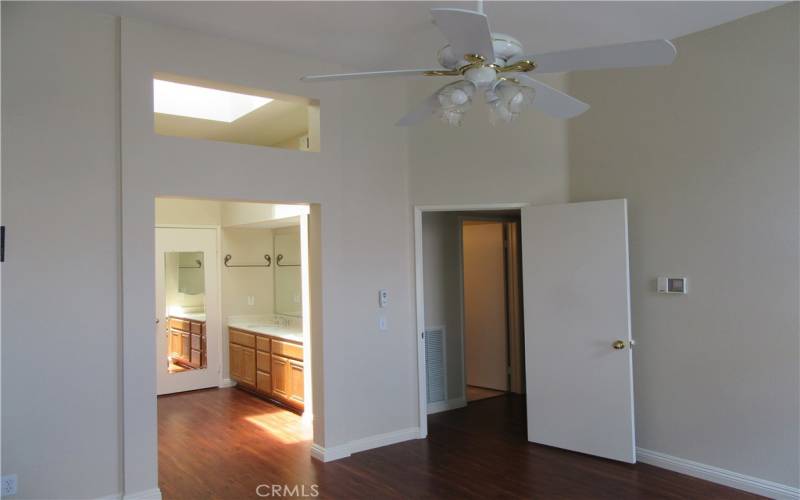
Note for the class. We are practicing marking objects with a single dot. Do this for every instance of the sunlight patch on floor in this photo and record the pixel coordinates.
(283, 425)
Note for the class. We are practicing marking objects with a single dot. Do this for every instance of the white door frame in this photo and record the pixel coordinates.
(420, 291)
(221, 382)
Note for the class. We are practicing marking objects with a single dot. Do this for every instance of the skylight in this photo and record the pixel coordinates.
(180, 99)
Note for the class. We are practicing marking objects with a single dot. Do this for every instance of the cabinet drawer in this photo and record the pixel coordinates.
(287, 349)
(179, 324)
(196, 327)
(262, 344)
(196, 345)
(242, 338)
(262, 361)
(264, 382)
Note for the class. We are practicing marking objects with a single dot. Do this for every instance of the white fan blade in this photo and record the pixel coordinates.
(467, 31)
(549, 100)
(368, 74)
(624, 55)
(422, 112)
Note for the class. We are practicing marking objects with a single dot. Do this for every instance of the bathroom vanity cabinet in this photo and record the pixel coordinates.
(187, 342)
(269, 366)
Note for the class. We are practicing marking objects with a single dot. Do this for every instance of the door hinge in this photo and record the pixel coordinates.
(422, 335)
(2, 243)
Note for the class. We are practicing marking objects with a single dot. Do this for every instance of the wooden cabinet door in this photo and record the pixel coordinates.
(236, 361)
(174, 343)
(280, 377)
(296, 383)
(249, 366)
(263, 382)
(186, 347)
(196, 358)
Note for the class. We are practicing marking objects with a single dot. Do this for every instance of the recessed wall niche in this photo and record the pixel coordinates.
(214, 111)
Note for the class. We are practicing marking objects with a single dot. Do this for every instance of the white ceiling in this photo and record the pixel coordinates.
(378, 35)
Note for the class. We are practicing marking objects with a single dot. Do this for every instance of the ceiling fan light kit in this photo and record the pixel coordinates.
(493, 65)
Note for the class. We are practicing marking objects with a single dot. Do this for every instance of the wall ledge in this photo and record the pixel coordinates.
(716, 475)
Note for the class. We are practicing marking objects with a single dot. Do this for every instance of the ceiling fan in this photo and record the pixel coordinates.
(493, 65)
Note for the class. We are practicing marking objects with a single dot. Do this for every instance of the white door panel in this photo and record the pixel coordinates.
(576, 305)
(169, 242)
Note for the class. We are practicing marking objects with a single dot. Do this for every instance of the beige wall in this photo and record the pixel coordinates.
(706, 151)
(441, 254)
(359, 180)
(176, 211)
(247, 246)
(61, 398)
(479, 163)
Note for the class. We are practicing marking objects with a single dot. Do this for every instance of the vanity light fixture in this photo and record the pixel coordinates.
(172, 98)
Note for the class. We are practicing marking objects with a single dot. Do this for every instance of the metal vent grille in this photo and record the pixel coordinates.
(435, 364)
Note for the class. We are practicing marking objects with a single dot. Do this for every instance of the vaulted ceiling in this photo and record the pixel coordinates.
(377, 35)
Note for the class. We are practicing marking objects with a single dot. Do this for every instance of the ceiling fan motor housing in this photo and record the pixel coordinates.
(505, 47)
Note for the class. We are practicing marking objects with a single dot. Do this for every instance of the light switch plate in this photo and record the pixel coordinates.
(674, 285)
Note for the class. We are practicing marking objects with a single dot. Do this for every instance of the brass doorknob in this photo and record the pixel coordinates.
(618, 344)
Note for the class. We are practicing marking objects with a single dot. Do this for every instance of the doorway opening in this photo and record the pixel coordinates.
(571, 284)
(232, 304)
(491, 291)
(473, 314)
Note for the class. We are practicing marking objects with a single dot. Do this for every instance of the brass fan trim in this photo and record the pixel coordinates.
(477, 61)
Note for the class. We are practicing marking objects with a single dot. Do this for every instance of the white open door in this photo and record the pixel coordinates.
(187, 287)
(578, 362)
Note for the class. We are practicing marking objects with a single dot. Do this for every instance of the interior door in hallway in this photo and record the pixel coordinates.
(485, 331)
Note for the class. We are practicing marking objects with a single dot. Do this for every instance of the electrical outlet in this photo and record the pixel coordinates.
(251, 300)
(9, 485)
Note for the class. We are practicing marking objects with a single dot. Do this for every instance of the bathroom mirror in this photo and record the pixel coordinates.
(288, 297)
(184, 292)
(190, 272)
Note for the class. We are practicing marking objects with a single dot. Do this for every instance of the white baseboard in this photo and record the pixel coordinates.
(717, 475)
(450, 404)
(226, 382)
(345, 450)
(154, 494)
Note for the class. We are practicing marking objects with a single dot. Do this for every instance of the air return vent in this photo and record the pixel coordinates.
(435, 364)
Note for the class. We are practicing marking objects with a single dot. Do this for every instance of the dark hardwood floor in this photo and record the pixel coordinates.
(223, 443)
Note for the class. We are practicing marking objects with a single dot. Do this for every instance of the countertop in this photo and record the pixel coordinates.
(267, 329)
(190, 316)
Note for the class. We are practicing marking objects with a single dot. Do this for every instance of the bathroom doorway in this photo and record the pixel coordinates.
(232, 293)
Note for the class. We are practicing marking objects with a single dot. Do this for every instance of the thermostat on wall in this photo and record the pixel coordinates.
(672, 285)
